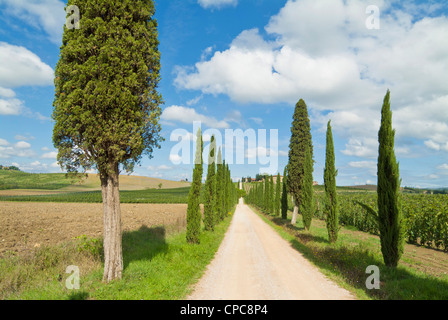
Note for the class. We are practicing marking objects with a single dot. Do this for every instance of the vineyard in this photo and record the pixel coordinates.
(175, 195)
(425, 215)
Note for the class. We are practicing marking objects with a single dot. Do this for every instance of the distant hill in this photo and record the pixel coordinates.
(58, 182)
(368, 187)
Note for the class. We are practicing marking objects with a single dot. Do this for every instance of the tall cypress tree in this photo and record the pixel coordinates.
(389, 216)
(194, 211)
(300, 139)
(278, 191)
(210, 185)
(220, 185)
(106, 105)
(389, 211)
(271, 195)
(307, 204)
(331, 200)
(284, 195)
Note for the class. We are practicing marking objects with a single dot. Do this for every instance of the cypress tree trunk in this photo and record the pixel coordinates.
(389, 211)
(330, 173)
(295, 213)
(113, 253)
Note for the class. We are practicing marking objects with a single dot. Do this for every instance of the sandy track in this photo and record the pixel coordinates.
(255, 263)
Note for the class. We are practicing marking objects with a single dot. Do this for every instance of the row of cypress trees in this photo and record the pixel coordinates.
(269, 197)
(298, 181)
(219, 192)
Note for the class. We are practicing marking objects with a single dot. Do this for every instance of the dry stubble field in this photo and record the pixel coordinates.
(25, 225)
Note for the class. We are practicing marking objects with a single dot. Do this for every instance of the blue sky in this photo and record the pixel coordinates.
(243, 64)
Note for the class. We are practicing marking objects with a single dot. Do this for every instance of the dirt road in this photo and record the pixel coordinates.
(255, 263)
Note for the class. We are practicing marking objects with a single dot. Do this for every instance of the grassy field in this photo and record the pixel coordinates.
(421, 275)
(158, 265)
(23, 180)
(178, 195)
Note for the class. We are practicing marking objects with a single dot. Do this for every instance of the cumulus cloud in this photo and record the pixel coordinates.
(344, 74)
(18, 149)
(190, 115)
(46, 15)
(50, 155)
(21, 67)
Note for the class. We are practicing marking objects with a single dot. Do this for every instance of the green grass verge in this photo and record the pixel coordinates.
(177, 195)
(158, 265)
(346, 261)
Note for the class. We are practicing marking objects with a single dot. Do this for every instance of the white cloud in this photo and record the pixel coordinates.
(160, 168)
(175, 158)
(363, 164)
(324, 53)
(11, 107)
(48, 15)
(210, 4)
(7, 93)
(364, 148)
(21, 67)
(19, 149)
(50, 155)
(443, 166)
(22, 145)
(189, 115)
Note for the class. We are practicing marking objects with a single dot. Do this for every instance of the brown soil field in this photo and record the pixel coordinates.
(24, 225)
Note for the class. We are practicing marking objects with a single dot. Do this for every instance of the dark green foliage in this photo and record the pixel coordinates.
(194, 215)
(300, 140)
(220, 187)
(271, 195)
(210, 189)
(284, 195)
(389, 211)
(278, 195)
(307, 204)
(106, 107)
(331, 201)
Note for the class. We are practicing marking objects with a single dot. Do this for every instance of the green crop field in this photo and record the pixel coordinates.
(425, 216)
(178, 195)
